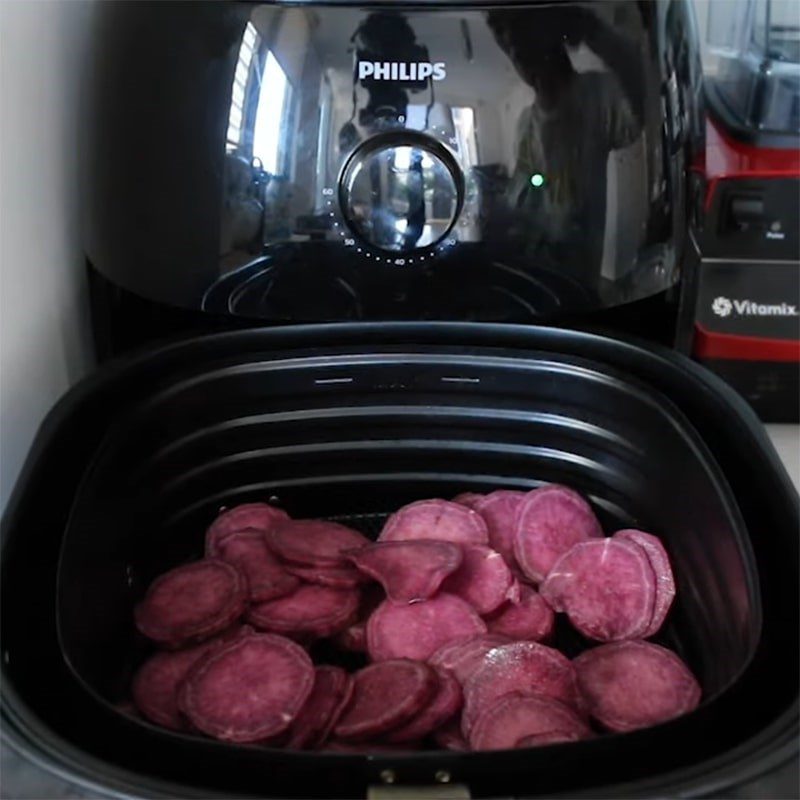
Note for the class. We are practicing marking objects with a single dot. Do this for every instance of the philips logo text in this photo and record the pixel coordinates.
(401, 70)
(723, 307)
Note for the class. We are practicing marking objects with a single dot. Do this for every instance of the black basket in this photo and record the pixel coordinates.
(380, 416)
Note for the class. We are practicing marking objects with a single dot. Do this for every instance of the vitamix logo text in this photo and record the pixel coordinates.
(723, 307)
(401, 70)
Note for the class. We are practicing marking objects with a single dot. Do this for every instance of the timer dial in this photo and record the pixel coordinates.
(401, 194)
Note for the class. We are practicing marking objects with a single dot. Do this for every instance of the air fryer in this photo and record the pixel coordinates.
(490, 207)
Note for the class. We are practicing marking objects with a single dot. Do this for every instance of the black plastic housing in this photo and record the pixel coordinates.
(137, 458)
(190, 205)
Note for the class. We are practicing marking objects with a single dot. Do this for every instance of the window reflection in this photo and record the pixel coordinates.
(464, 125)
(261, 143)
(241, 81)
(260, 100)
(273, 102)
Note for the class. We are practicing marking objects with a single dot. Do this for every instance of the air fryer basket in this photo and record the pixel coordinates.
(378, 417)
(355, 436)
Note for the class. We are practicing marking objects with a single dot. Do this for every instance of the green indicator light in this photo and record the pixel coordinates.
(537, 179)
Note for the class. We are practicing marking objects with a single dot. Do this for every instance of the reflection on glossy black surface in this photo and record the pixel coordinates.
(231, 131)
(298, 281)
(569, 131)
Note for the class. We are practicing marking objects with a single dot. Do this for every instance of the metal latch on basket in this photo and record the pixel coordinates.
(440, 791)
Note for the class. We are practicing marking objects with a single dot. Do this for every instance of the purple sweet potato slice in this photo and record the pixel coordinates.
(531, 618)
(317, 611)
(549, 522)
(463, 656)
(606, 587)
(551, 737)
(257, 516)
(333, 689)
(353, 638)
(483, 580)
(314, 542)
(449, 736)
(266, 577)
(635, 684)
(419, 629)
(192, 602)
(445, 704)
(249, 690)
(524, 667)
(386, 695)
(157, 682)
(409, 571)
(468, 499)
(513, 717)
(499, 511)
(341, 577)
(435, 519)
(665, 581)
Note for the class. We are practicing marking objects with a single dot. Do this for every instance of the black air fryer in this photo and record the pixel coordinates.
(349, 256)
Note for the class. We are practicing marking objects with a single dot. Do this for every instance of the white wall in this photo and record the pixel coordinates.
(44, 344)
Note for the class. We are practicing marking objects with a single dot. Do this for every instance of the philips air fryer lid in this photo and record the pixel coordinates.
(295, 163)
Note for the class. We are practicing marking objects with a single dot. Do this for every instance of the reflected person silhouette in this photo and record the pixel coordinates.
(415, 195)
(394, 208)
(557, 191)
(397, 201)
(381, 36)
